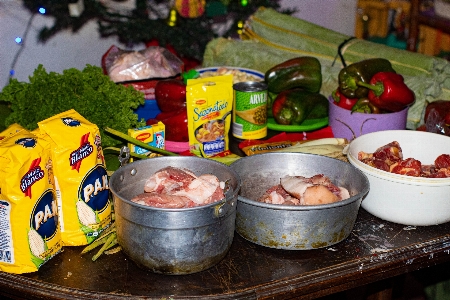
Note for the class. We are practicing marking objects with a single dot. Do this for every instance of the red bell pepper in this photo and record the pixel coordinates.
(343, 101)
(388, 91)
(170, 95)
(176, 129)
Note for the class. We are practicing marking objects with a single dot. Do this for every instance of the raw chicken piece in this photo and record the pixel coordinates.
(318, 194)
(204, 189)
(278, 195)
(168, 180)
(299, 190)
(173, 187)
(163, 200)
(152, 62)
(315, 190)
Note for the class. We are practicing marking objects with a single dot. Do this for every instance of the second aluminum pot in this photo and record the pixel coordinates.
(173, 241)
(299, 227)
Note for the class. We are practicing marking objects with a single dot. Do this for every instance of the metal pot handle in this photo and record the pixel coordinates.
(124, 155)
(222, 209)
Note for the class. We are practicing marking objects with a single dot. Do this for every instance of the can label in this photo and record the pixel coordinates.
(250, 110)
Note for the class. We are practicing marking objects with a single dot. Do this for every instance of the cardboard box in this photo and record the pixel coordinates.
(153, 135)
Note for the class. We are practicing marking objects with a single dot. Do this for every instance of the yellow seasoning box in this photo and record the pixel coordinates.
(153, 135)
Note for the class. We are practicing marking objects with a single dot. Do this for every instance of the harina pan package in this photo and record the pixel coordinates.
(12, 129)
(81, 180)
(29, 230)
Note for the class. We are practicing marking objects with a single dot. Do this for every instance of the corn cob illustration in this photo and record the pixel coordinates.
(85, 214)
(37, 244)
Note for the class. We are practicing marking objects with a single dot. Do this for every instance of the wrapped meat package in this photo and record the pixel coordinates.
(129, 65)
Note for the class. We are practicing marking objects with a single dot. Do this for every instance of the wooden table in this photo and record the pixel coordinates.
(375, 250)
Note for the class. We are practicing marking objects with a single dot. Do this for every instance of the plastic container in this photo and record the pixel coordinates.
(344, 123)
(149, 110)
(404, 199)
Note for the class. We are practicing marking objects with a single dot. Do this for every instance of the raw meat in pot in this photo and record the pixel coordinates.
(168, 179)
(278, 195)
(163, 200)
(173, 187)
(202, 190)
(299, 190)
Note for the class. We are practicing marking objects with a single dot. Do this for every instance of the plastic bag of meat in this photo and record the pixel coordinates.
(130, 65)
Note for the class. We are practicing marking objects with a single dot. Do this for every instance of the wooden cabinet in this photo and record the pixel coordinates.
(424, 17)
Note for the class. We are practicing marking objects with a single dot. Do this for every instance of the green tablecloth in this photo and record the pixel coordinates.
(271, 37)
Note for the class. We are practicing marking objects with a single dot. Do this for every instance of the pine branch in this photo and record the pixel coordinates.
(189, 37)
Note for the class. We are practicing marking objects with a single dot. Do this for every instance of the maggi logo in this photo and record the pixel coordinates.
(143, 136)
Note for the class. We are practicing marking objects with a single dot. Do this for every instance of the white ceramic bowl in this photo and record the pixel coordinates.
(404, 199)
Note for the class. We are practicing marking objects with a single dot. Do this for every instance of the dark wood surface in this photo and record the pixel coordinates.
(375, 250)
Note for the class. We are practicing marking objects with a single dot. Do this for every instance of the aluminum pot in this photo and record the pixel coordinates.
(295, 227)
(173, 241)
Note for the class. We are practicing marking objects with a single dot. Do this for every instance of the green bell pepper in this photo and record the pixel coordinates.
(300, 72)
(361, 71)
(292, 107)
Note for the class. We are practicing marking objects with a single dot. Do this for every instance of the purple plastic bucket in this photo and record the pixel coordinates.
(361, 123)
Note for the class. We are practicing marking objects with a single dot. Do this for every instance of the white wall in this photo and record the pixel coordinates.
(68, 50)
(337, 15)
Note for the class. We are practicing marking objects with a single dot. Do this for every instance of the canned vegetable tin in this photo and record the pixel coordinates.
(250, 110)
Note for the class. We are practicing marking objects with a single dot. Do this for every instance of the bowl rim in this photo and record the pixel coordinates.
(246, 70)
(387, 114)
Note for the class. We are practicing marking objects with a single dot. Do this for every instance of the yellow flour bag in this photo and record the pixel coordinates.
(12, 129)
(29, 230)
(81, 181)
(209, 104)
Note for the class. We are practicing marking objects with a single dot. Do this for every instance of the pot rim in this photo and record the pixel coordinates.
(230, 195)
(347, 201)
(305, 207)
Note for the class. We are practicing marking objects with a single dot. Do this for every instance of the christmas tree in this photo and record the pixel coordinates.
(185, 25)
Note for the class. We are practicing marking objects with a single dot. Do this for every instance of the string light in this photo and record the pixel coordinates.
(20, 41)
(240, 26)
